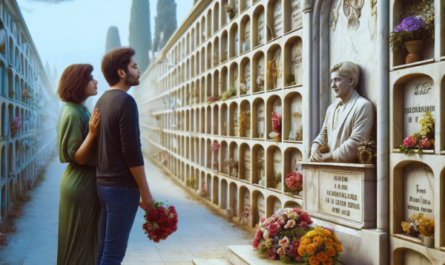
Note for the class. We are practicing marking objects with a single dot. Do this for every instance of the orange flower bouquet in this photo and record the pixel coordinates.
(320, 246)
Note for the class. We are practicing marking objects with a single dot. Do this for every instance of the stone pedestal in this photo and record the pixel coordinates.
(343, 196)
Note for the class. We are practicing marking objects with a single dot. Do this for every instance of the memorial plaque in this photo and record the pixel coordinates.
(247, 120)
(296, 132)
(341, 195)
(419, 97)
(226, 17)
(236, 122)
(261, 27)
(247, 162)
(235, 78)
(276, 205)
(296, 65)
(279, 68)
(236, 6)
(261, 68)
(248, 205)
(296, 15)
(278, 19)
(236, 44)
(418, 190)
(247, 33)
(261, 206)
(261, 119)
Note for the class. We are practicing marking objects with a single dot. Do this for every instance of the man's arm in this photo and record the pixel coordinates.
(131, 149)
(321, 139)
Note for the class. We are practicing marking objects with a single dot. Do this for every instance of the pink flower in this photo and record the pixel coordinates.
(276, 122)
(274, 228)
(280, 251)
(288, 249)
(284, 242)
(258, 234)
(409, 141)
(256, 243)
(296, 244)
(270, 254)
(294, 181)
(215, 146)
(262, 219)
(303, 224)
(290, 224)
(304, 217)
(297, 210)
(281, 222)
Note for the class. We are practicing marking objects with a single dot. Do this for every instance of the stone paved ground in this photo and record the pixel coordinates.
(200, 233)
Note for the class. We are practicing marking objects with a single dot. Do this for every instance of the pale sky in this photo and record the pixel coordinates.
(75, 31)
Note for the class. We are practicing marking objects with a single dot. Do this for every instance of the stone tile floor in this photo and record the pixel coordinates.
(200, 233)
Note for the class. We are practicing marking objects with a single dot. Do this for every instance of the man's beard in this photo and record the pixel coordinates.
(132, 80)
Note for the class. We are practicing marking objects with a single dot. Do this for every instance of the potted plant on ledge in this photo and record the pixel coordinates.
(416, 28)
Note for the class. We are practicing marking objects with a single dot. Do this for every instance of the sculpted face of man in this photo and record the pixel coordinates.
(342, 85)
(132, 77)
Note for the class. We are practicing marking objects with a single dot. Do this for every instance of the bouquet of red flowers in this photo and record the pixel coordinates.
(160, 221)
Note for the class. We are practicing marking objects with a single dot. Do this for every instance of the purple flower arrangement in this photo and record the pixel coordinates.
(410, 24)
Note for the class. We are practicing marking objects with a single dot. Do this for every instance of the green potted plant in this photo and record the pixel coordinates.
(416, 28)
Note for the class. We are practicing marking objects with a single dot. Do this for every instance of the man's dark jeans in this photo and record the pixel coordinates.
(119, 207)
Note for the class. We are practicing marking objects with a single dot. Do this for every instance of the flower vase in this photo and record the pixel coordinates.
(428, 241)
(414, 48)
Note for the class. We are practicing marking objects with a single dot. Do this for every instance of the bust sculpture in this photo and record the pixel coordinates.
(347, 122)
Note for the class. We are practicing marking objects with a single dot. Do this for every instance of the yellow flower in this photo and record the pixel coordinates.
(269, 243)
(338, 247)
(311, 248)
(311, 234)
(314, 261)
(328, 261)
(406, 227)
(334, 237)
(326, 233)
(306, 241)
(321, 256)
(329, 242)
(301, 250)
(318, 240)
(330, 251)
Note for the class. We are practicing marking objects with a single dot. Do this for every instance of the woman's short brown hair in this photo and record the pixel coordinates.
(73, 81)
(116, 59)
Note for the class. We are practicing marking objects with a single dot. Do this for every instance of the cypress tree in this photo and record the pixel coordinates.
(165, 23)
(113, 39)
(140, 33)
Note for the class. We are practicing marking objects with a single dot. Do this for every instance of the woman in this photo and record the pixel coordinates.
(79, 208)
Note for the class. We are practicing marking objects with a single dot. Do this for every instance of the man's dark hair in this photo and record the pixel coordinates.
(116, 59)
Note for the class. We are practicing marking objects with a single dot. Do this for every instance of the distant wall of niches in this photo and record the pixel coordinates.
(28, 109)
(223, 74)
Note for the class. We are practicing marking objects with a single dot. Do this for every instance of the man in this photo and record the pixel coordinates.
(347, 122)
(121, 180)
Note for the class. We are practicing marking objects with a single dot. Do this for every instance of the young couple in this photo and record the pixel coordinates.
(105, 180)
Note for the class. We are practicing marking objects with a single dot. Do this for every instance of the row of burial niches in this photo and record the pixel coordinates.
(414, 36)
(263, 71)
(271, 121)
(267, 23)
(416, 101)
(277, 169)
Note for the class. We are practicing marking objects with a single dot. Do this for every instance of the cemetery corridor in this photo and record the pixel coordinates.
(200, 233)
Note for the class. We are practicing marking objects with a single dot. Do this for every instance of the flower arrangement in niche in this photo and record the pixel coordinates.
(294, 182)
(423, 139)
(230, 11)
(160, 221)
(419, 224)
(367, 151)
(278, 237)
(416, 28)
(15, 126)
(11, 93)
(320, 246)
(276, 127)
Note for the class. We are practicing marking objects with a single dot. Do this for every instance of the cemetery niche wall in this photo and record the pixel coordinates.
(259, 92)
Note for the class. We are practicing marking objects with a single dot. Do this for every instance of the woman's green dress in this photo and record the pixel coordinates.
(79, 208)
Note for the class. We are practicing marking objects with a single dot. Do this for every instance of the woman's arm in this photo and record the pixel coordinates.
(84, 150)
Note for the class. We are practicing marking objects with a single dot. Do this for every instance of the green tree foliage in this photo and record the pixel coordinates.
(113, 39)
(165, 23)
(140, 33)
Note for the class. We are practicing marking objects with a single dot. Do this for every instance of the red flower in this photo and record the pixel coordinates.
(160, 222)
(256, 243)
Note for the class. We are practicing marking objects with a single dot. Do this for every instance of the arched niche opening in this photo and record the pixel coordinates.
(274, 105)
(203, 59)
(293, 65)
(273, 205)
(216, 20)
(292, 163)
(259, 210)
(224, 156)
(209, 120)
(203, 29)
(245, 4)
(234, 199)
(292, 118)
(245, 33)
(244, 120)
(224, 81)
(274, 19)
(210, 184)
(234, 41)
(203, 93)
(258, 166)
(407, 256)
(202, 154)
(215, 191)
(274, 77)
(413, 95)
(258, 72)
(245, 163)
(224, 125)
(234, 79)
(274, 168)
(234, 120)
(215, 121)
(209, 56)
(259, 26)
(215, 87)
(259, 119)
(232, 163)
(292, 15)
(224, 194)
(245, 205)
(209, 23)
(224, 15)
(292, 204)
(209, 92)
(202, 122)
(245, 77)
(224, 46)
